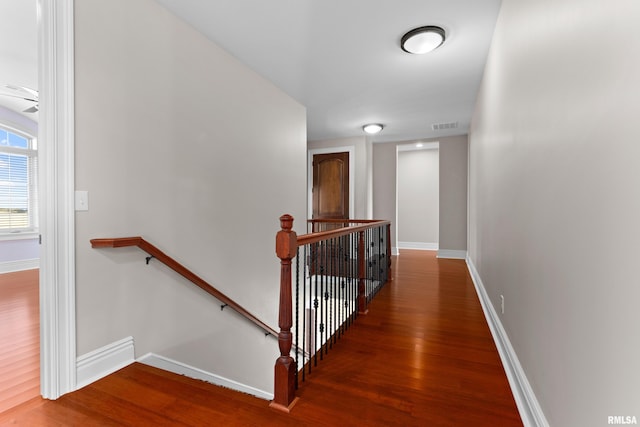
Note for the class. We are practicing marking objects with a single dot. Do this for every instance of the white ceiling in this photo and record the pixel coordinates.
(342, 60)
(18, 52)
(339, 58)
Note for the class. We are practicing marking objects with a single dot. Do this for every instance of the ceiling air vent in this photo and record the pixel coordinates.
(444, 126)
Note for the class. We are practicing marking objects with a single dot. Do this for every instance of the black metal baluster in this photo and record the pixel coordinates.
(347, 299)
(339, 290)
(297, 339)
(352, 255)
(338, 286)
(356, 280)
(374, 262)
(336, 289)
(381, 256)
(367, 264)
(329, 296)
(345, 280)
(309, 303)
(304, 307)
(387, 255)
(374, 257)
(353, 288)
(378, 259)
(315, 306)
(387, 261)
(336, 276)
(323, 263)
(325, 296)
(332, 291)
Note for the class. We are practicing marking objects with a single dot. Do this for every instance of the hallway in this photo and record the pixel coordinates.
(423, 355)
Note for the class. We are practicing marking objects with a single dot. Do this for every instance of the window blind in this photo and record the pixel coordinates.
(18, 182)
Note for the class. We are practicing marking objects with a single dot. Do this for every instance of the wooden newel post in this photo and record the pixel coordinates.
(284, 396)
(362, 293)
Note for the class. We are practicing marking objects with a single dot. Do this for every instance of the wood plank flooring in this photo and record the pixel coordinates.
(19, 338)
(423, 356)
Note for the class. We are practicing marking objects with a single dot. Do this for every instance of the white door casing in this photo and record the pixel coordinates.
(56, 197)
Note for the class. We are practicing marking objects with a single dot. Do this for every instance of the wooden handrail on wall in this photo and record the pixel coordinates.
(184, 272)
(287, 244)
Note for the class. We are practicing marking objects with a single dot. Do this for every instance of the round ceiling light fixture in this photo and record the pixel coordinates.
(372, 128)
(422, 40)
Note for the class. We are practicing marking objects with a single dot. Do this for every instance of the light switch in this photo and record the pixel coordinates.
(82, 200)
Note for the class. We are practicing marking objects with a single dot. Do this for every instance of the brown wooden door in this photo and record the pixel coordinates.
(330, 201)
(331, 186)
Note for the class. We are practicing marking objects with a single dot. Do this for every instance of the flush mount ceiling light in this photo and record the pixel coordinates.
(372, 128)
(422, 40)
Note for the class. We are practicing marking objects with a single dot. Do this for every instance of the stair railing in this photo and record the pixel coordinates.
(337, 272)
(155, 253)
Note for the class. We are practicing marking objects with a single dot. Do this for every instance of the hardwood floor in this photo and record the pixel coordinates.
(19, 338)
(423, 356)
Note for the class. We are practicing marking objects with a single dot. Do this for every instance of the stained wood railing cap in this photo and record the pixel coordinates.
(286, 222)
(286, 239)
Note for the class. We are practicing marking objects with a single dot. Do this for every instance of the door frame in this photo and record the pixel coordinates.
(351, 149)
(55, 22)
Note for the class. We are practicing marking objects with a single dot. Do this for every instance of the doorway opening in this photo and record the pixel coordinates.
(19, 201)
(418, 197)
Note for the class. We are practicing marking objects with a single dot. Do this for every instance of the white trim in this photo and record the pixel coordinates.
(395, 251)
(21, 265)
(180, 368)
(21, 235)
(104, 361)
(528, 406)
(424, 246)
(452, 254)
(56, 154)
(351, 149)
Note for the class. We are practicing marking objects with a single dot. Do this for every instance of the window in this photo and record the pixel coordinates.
(18, 182)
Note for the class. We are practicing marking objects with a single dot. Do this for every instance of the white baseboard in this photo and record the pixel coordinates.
(24, 264)
(104, 361)
(394, 251)
(180, 368)
(418, 245)
(528, 406)
(452, 254)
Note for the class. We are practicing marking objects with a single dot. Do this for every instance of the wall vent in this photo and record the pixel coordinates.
(443, 126)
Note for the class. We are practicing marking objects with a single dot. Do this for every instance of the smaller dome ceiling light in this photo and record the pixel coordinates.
(372, 128)
(422, 40)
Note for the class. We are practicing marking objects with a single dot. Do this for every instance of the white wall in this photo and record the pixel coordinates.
(384, 187)
(453, 196)
(555, 200)
(418, 195)
(178, 142)
(19, 253)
